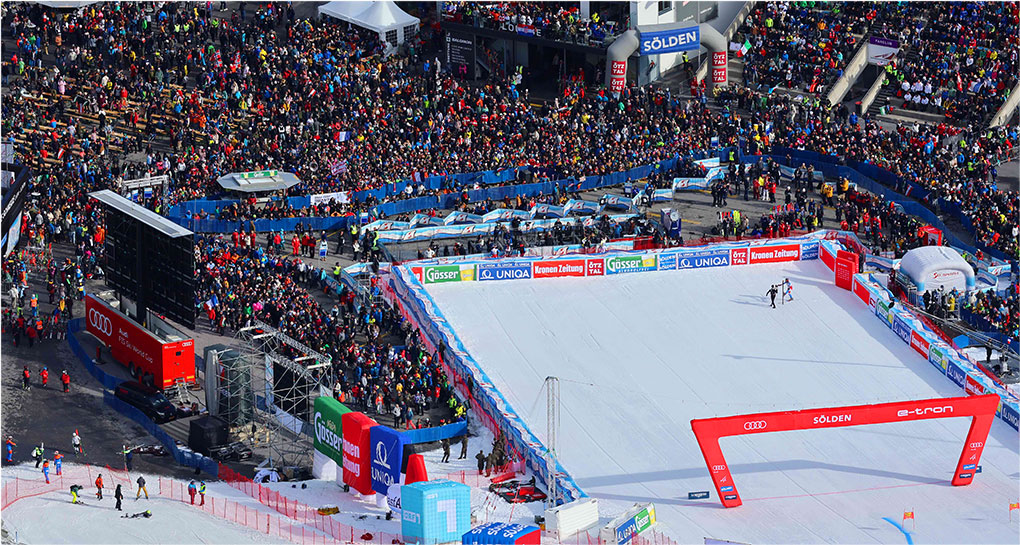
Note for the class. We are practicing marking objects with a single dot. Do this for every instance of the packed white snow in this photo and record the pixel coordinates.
(640, 355)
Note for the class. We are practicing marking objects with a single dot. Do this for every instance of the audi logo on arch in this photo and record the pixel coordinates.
(100, 321)
(978, 444)
(755, 425)
(719, 468)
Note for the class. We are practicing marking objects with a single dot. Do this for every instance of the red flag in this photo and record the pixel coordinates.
(908, 515)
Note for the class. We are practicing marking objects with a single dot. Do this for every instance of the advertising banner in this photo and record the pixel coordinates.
(719, 67)
(667, 261)
(670, 41)
(504, 271)
(596, 266)
(700, 259)
(882, 51)
(387, 455)
(919, 343)
(662, 195)
(617, 202)
(973, 387)
(456, 217)
(547, 211)
(844, 273)
(937, 357)
(774, 254)
(738, 256)
(356, 461)
(341, 197)
(827, 257)
(1011, 415)
(558, 268)
(809, 250)
(328, 427)
(625, 531)
(387, 225)
(630, 264)
(425, 220)
(688, 184)
(436, 274)
(900, 327)
(618, 78)
(882, 311)
(505, 214)
(578, 206)
(957, 375)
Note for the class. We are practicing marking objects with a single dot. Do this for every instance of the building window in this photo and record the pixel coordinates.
(410, 30)
(391, 37)
(664, 7)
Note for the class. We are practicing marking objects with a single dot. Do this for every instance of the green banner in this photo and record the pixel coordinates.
(328, 431)
(448, 273)
(259, 174)
(632, 263)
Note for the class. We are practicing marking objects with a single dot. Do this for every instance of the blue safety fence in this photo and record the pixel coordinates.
(438, 433)
(183, 213)
(183, 457)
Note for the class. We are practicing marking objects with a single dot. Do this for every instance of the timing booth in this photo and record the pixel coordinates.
(933, 268)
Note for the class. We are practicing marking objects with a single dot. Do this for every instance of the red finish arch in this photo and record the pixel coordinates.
(708, 430)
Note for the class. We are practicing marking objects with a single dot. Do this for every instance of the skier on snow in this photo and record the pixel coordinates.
(75, 488)
(787, 290)
(99, 486)
(119, 496)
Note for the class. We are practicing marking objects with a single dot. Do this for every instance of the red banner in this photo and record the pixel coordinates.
(973, 387)
(845, 271)
(596, 267)
(919, 343)
(861, 291)
(738, 256)
(982, 408)
(774, 254)
(357, 463)
(826, 257)
(619, 69)
(719, 67)
(553, 269)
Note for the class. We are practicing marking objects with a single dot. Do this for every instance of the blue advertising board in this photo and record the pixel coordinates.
(667, 261)
(1010, 415)
(670, 41)
(387, 450)
(809, 250)
(957, 375)
(901, 328)
(703, 258)
(502, 533)
(504, 271)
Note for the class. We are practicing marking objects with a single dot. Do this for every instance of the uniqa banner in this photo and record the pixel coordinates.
(328, 437)
(387, 450)
(670, 41)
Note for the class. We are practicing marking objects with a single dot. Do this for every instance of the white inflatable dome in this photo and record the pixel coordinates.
(934, 267)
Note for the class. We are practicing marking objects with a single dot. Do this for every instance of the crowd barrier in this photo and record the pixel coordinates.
(183, 457)
(183, 213)
(913, 330)
(408, 283)
(473, 229)
(302, 515)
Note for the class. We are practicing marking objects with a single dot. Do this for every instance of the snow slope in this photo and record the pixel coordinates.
(640, 355)
(52, 518)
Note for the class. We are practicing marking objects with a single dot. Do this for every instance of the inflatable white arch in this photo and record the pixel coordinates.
(934, 267)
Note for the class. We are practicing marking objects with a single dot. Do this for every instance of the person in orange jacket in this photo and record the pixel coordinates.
(58, 461)
(99, 486)
(46, 470)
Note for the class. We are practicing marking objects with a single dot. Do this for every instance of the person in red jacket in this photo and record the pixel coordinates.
(65, 379)
(99, 486)
(44, 376)
(26, 379)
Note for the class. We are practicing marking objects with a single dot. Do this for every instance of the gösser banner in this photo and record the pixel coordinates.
(708, 431)
(670, 41)
(328, 425)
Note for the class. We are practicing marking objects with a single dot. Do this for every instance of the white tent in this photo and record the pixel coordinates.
(393, 24)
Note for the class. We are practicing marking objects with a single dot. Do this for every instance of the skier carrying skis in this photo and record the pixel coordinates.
(787, 290)
(772, 294)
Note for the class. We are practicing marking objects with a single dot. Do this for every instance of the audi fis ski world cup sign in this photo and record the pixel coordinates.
(670, 41)
(981, 408)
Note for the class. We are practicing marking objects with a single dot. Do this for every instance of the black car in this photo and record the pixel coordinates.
(147, 399)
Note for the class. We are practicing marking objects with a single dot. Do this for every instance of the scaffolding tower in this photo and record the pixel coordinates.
(272, 384)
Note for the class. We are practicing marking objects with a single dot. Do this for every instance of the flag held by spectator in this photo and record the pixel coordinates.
(744, 48)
